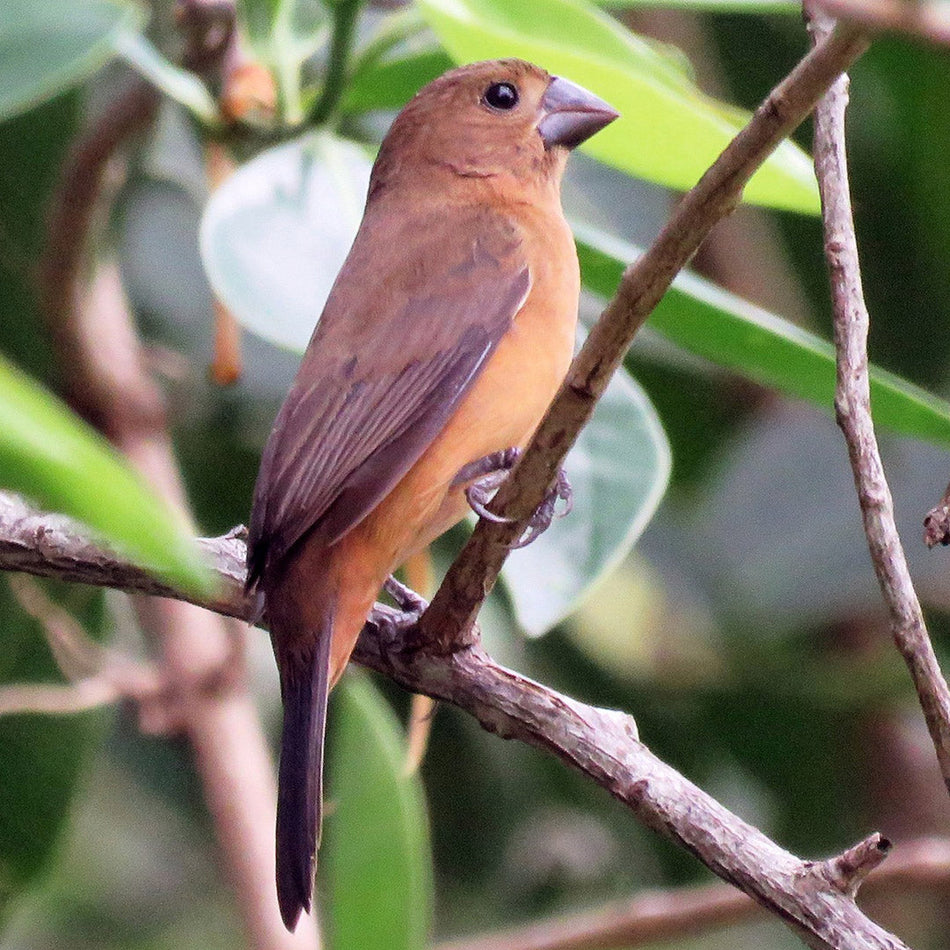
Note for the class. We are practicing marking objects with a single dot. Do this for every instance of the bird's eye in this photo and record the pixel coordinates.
(501, 95)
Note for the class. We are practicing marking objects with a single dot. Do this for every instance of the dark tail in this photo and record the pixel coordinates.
(304, 687)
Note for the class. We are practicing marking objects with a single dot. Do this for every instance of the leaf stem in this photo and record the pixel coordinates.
(344, 28)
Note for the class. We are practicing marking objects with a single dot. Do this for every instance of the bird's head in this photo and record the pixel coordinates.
(501, 119)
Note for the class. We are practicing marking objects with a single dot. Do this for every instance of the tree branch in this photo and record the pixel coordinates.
(448, 623)
(814, 898)
(674, 915)
(853, 411)
(925, 19)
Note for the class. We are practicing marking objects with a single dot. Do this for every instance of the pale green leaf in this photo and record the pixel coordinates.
(46, 46)
(669, 132)
(376, 863)
(53, 458)
(721, 327)
(274, 236)
(619, 468)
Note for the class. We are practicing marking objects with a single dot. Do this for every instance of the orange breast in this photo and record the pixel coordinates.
(502, 409)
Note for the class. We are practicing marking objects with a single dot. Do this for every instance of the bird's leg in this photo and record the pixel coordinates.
(406, 598)
(489, 472)
(485, 475)
(547, 511)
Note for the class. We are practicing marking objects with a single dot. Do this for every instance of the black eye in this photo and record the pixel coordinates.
(501, 95)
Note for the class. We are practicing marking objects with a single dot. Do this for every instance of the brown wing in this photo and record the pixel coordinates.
(414, 314)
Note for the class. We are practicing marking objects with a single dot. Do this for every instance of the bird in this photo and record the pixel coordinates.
(443, 340)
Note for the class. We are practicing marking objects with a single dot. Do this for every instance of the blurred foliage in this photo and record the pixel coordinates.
(744, 630)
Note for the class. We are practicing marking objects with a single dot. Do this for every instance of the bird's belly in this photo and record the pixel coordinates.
(501, 410)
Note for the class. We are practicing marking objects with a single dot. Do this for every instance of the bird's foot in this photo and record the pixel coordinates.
(406, 598)
(485, 475)
(488, 474)
(547, 511)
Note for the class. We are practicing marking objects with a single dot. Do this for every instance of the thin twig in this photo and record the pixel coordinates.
(927, 19)
(76, 654)
(675, 915)
(97, 675)
(449, 620)
(853, 411)
(345, 13)
(58, 699)
(937, 522)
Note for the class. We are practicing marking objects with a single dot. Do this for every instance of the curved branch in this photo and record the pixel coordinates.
(674, 915)
(814, 898)
(452, 614)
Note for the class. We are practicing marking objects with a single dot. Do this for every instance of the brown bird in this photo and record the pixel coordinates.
(445, 337)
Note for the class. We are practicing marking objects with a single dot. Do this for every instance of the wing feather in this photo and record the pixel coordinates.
(408, 326)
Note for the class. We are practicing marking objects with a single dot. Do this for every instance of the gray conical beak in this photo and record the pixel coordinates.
(571, 114)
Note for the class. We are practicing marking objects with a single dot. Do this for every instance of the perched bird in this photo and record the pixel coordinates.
(445, 337)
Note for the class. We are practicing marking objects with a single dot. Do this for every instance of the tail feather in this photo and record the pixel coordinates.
(304, 689)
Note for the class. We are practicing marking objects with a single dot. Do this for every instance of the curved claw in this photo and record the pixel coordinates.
(477, 496)
(564, 493)
(547, 511)
(406, 598)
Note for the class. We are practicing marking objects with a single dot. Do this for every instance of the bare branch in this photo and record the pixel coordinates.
(848, 870)
(654, 916)
(927, 20)
(108, 382)
(853, 411)
(48, 545)
(937, 522)
(77, 655)
(58, 699)
(600, 743)
(449, 621)
(97, 676)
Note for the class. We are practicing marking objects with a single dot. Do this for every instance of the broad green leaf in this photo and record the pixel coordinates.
(257, 17)
(275, 234)
(709, 6)
(376, 863)
(618, 468)
(42, 755)
(48, 45)
(284, 35)
(391, 83)
(177, 83)
(49, 455)
(669, 132)
(712, 323)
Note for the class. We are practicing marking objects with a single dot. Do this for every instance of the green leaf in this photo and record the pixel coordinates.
(709, 6)
(669, 132)
(42, 755)
(179, 84)
(49, 455)
(257, 18)
(376, 863)
(276, 233)
(619, 469)
(284, 35)
(46, 46)
(391, 83)
(712, 323)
